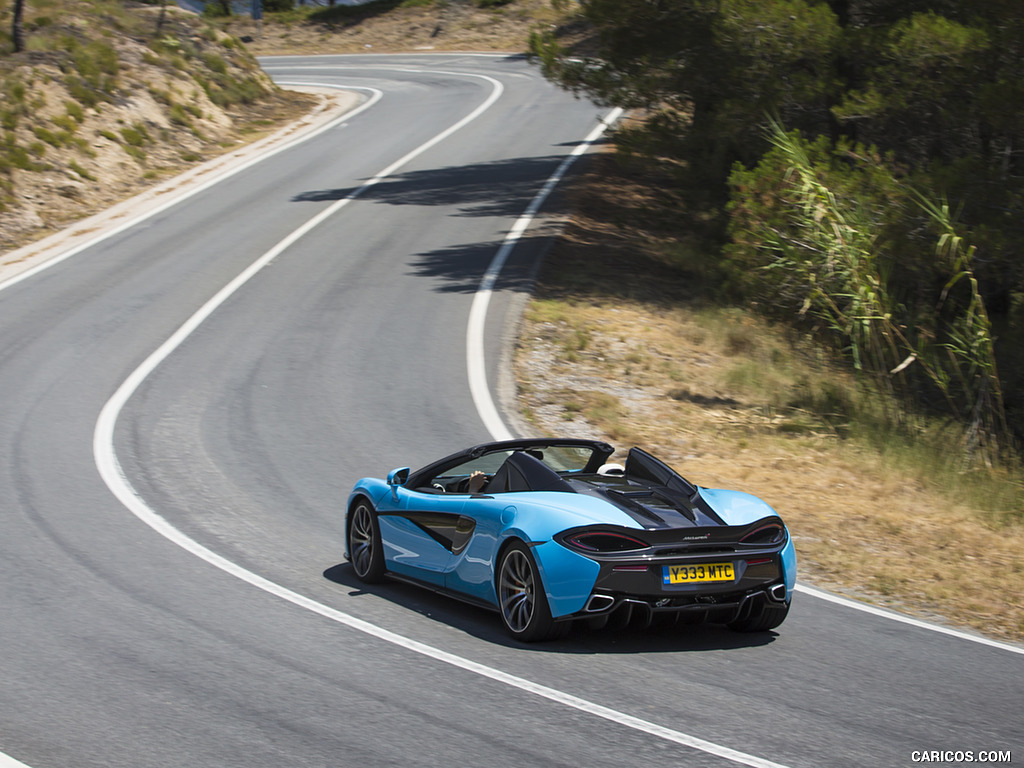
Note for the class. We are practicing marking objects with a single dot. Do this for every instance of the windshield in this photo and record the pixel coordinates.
(564, 457)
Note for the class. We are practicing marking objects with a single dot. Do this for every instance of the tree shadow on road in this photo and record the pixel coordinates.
(460, 268)
(502, 188)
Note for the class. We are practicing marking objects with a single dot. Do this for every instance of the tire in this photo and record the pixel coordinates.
(762, 617)
(364, 544)
(521, 599)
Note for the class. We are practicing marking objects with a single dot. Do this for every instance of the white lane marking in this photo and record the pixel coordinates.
(6, 761)
(215, 179)
(875, 611)
(475, 350)
(113, 475)
(276, 61)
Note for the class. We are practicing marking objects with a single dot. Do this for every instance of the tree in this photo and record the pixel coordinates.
(711, 70)
(17, 26)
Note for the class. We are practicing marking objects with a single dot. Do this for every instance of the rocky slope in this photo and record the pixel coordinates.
(89, 117)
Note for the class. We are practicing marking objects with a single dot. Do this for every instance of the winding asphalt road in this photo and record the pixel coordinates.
(172, 590)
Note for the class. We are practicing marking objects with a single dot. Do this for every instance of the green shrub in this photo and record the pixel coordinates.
(226, 91)
(816, 244)
(50, 137)
(9, 119)
(66, 123)
(74, 111)
(81, 171)
(215, 63)
(136, 135)
(161, 97)
(136, 153)
(15, 91)
(83, 92)
(179, 116)
(18, 157)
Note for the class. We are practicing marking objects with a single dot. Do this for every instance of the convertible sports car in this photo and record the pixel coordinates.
(546, 531)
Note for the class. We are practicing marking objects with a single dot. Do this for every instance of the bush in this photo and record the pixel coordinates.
(812, 246)
(136, 136)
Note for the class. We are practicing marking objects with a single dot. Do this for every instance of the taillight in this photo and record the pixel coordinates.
(605, 541)
(773, 533)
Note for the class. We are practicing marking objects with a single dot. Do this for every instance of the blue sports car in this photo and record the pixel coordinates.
(547, 531)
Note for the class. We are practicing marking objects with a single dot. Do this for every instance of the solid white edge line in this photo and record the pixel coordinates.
(476, 368)
(111, 472)
(117, 482)
(113, 475)
(919, 623)
(6, 761)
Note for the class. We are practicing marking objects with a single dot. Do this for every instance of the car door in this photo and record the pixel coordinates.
(472, 566)
(419, 532)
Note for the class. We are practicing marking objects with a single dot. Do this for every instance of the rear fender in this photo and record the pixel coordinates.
(789, 567)
(736, 507)
(568, 578)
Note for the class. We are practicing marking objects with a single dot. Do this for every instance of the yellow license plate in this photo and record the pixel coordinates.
(695, 574)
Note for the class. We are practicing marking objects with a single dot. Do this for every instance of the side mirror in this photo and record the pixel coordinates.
(398, 476)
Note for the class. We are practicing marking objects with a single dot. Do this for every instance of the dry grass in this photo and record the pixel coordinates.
(606, 351)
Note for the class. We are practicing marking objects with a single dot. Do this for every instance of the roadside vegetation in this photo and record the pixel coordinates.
(826, 203)
(854, 169)
(627, 339)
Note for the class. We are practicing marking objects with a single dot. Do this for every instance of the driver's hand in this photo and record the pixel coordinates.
(477, 480)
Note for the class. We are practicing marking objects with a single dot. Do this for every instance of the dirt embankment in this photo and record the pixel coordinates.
(91, 125)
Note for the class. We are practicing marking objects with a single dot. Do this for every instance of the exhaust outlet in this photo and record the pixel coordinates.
(598, 603)
(777, 592)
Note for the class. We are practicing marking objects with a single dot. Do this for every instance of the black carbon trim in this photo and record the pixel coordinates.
(451, 531)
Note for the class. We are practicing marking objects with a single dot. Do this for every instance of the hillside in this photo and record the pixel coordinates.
(109, 99)
(386, 26)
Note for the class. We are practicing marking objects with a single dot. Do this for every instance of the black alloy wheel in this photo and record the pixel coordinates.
(364, 544)
(521, 599)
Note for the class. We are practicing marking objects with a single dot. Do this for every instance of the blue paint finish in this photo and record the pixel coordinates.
(789, 567)
(410, 551)
(736, 507)
(568, 577)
